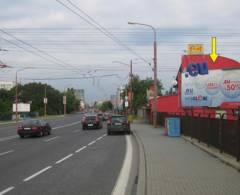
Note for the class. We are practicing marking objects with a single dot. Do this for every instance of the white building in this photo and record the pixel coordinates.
(7, 85)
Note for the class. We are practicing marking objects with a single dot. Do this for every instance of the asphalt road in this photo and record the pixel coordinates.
(70, 161)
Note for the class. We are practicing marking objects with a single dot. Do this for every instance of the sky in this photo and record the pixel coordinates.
(83, 40)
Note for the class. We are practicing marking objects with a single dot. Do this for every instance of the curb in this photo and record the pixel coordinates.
(142, 169)
(227, 159)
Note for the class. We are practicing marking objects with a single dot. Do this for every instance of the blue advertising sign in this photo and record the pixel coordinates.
(211, 88)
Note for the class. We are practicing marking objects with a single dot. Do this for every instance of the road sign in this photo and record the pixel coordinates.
(195, 49)
(45, 100)
(64, 99)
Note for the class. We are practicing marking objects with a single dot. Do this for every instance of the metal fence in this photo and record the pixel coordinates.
(219, 132)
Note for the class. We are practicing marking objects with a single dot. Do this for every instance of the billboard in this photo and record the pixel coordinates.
(22, 107)
(211, 88)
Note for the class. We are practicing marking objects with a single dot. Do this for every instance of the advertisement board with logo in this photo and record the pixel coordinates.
(211, 88)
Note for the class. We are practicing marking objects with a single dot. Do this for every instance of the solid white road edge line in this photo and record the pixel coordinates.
(66, 157)
(68, 125)
(122, 181)
(7, 152)
(91, 143)
(8, 138)
(6, 190)
(47, 140)
(80, 149)
(36, 174)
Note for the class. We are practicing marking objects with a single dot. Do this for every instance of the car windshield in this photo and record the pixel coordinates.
(30, 122)
(91, 117)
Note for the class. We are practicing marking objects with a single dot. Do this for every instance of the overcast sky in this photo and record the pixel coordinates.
(67, 44)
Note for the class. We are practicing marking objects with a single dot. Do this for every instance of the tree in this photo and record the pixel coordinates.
(72, 102)
(107, 105)
(140, 91)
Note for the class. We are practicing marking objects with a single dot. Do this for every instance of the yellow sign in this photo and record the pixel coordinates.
(195, 49)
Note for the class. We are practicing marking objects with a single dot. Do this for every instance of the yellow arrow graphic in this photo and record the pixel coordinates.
(214, 54)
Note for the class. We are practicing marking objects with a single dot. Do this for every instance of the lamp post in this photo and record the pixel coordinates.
(16, 83)
(130, 80)
(154, 70)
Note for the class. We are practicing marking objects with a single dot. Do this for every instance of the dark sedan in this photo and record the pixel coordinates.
(91, 121)
(34, 127)
(118, 123)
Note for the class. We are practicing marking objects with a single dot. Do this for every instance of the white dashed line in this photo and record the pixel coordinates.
(38, 173)
(6, 190)
(7, 152)
(99, 138)
(65, 158)
(8, 138)
(53, 138)
(80, 149)
(91, 143)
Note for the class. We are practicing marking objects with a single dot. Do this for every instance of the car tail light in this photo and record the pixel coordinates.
(97, 119)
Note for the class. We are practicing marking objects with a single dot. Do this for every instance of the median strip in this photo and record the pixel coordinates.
(6, 190)
(65, 158)
(68, 125)
(7, 152)
(38, 173)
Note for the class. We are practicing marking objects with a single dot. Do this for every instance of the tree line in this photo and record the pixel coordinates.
(34, 94)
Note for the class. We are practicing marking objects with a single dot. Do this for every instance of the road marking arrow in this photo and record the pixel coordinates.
(214, 54)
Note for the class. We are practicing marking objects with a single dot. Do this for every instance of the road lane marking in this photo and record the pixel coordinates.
(38, 173)
(68, 125)
(80, 149)
(91, 143)
(65, 158)
(76, 131)
(7, 152)
(53, 138)
(8, 138)
(6, 190)
(99, 138)
(122, 181)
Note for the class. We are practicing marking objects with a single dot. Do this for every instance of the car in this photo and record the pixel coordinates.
(118, 123)
(35, 127)
(100, 115)
(91, 121)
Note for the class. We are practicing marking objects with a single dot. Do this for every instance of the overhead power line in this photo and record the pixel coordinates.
(99, 27)
(59, 62)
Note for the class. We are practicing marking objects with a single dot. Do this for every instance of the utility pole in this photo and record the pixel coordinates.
(64, 104)
(131, 87)
(154, 70)
(45, 101)
(16, 98)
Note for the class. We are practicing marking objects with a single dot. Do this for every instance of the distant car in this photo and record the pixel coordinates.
(91, 121)
(118, 123)
(100, 116)
(34, 127)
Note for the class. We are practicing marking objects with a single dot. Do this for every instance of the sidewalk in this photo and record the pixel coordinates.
(173, 166)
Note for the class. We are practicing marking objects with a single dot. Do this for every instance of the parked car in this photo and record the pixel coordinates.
(118, 123)
(91, 121)
(34, 127)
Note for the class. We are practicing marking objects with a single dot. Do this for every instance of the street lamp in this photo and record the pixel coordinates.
(131, 80)
(154, 70)
(16, 83)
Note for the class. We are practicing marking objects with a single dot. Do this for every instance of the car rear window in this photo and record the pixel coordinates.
(30, 122)
(119, 119)
(91, 117)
